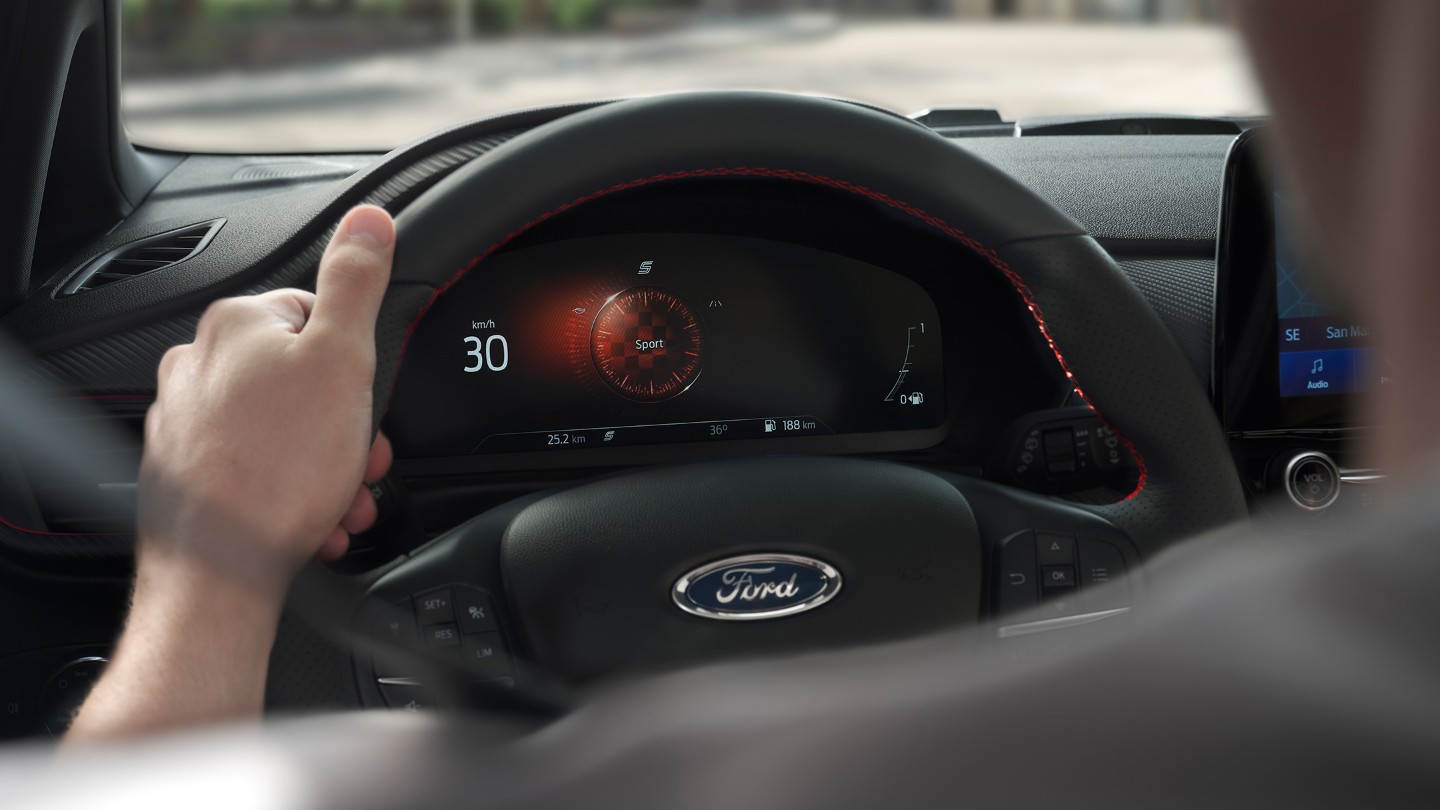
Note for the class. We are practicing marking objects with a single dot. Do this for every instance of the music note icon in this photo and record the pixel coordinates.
(1318, 367)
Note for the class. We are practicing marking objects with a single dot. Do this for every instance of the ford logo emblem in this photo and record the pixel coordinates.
(757, 586)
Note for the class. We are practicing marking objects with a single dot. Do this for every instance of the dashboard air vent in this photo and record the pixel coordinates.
(143, 256)
(294, 170)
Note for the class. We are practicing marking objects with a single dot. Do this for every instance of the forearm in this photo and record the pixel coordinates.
(255, 452)
(194, 652)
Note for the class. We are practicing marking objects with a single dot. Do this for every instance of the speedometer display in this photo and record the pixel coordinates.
(652, 339)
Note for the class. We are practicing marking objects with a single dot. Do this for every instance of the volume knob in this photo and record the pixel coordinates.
(1312, 480)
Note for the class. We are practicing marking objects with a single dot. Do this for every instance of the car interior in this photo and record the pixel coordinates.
(674, 380)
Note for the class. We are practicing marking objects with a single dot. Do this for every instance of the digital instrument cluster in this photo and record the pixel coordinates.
(669, 338)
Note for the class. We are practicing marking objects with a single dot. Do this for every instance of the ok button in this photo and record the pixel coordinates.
(1057, 577)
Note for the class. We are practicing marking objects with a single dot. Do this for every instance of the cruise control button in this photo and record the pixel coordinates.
(396, 624)
(485, 656)
(475, 611)
(442, 635)
(434, 607)
(1054, 549)
(1057, 577)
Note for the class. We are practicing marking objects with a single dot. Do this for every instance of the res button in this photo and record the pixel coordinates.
(442, 635)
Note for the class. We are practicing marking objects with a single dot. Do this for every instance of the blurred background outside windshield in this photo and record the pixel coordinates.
(347, 75)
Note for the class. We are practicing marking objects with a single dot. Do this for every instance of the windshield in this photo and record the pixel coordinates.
(354, 75)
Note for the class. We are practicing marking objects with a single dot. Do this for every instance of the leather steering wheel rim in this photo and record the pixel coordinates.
(1104, 335)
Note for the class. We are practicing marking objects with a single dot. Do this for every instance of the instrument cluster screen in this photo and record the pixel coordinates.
(666, 338)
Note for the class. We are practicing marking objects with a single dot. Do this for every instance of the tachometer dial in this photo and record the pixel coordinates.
(646, 344)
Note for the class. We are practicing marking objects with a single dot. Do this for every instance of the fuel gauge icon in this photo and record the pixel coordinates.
(912, 334)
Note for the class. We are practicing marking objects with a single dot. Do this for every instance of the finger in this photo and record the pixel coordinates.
(362, 512)
(354, 273)
(334, 546)
(291, 308)
(381, 454)
(219, 317)
(172, 357)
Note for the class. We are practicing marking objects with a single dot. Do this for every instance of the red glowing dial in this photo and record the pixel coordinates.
(646, 344)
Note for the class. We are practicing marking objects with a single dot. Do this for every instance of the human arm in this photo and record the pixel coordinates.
(255, 453)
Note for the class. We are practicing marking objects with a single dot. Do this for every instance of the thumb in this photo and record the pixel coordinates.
(354, 273)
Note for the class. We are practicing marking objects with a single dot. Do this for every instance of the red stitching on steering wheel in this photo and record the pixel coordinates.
(935, 222)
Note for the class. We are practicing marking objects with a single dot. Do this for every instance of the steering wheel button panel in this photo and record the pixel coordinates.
(1062, 573)
(1064, 450)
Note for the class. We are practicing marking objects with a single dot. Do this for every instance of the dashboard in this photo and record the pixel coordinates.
(848, 330)
(670, 325)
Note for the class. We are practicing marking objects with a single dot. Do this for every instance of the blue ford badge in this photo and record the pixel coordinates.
(757, 586)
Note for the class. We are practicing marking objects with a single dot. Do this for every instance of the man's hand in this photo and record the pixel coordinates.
(259, 439)
(256, 451)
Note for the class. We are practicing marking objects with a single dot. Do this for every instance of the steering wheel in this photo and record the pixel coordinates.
(591, 580)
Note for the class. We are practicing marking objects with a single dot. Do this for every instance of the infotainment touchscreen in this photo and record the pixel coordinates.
(1322, 351)
(1290, 354)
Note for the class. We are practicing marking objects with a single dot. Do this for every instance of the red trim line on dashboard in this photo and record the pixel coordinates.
(987, 253)
(7, 524)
